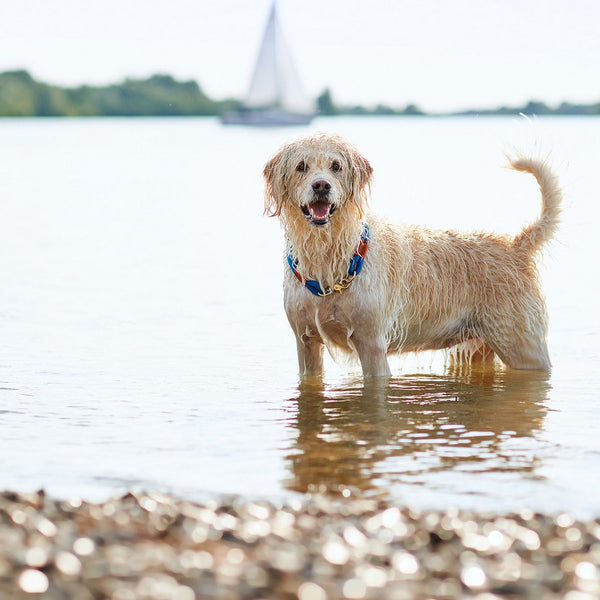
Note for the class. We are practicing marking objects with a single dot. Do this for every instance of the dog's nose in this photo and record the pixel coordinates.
(321, 187)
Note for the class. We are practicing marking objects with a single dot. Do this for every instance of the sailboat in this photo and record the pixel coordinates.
(275, 95)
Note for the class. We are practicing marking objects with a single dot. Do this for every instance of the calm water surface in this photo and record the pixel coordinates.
(144, 342)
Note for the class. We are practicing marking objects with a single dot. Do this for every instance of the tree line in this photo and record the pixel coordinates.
(161, 95)
(328, 106)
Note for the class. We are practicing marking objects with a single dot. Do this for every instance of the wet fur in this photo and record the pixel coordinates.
(419, 289)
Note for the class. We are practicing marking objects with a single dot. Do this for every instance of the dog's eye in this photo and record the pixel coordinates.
(336, 166)
(302, 167)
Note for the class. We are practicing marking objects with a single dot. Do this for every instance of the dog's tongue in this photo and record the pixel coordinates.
(319, 210)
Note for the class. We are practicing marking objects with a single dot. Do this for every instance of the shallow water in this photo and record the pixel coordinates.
(144, 342)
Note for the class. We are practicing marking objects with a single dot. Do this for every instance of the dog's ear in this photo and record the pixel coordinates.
(273, 186)
(362, 175)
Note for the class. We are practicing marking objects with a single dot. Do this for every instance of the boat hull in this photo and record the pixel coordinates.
(266, 118)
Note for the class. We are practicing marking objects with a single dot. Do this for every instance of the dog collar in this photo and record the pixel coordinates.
(356, 264)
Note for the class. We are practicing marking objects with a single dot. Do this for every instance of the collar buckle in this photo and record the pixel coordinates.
(355, 267)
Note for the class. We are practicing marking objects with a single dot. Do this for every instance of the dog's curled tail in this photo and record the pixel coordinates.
(534, 236)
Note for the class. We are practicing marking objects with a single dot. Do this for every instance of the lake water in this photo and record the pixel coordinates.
(144, 343)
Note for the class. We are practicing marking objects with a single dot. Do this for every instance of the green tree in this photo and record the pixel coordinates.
(326, 105)
(412, 110)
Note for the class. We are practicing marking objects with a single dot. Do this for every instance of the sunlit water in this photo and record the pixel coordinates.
(144, 342)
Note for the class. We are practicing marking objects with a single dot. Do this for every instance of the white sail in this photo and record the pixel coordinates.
(275, 83)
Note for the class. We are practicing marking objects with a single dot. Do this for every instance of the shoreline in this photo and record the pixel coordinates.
(157, 547)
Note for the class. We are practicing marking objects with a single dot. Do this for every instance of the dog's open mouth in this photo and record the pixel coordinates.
(318, 212)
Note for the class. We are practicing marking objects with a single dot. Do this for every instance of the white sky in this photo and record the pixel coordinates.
(439, 54)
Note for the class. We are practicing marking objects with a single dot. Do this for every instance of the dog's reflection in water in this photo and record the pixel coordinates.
(369, 435)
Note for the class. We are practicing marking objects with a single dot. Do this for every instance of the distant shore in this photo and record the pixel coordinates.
(161, 95)
(316, 548)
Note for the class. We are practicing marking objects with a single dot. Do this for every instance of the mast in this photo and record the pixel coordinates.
(275, 82)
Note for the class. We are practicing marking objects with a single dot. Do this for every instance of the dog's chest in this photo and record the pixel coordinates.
(325, 318)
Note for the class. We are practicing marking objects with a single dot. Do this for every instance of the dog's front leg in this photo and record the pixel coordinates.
(310, 356)
(372, 353)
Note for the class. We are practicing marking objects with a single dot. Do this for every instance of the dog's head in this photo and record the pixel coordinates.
(315, 177)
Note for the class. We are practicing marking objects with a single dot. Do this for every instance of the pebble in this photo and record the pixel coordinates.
(151, 546)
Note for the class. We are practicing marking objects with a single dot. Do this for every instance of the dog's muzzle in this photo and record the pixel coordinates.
(319, 210)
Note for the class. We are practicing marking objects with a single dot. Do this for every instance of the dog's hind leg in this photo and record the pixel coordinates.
(521, 347)
(474, 351)
(525, 353)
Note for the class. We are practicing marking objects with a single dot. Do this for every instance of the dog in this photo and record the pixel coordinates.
(359, 285)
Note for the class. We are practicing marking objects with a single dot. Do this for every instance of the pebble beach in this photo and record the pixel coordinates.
(152, 546)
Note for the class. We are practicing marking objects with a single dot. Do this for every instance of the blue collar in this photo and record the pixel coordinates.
(356, 264)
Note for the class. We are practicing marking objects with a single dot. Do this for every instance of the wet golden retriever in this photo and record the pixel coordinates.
(361, 285)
